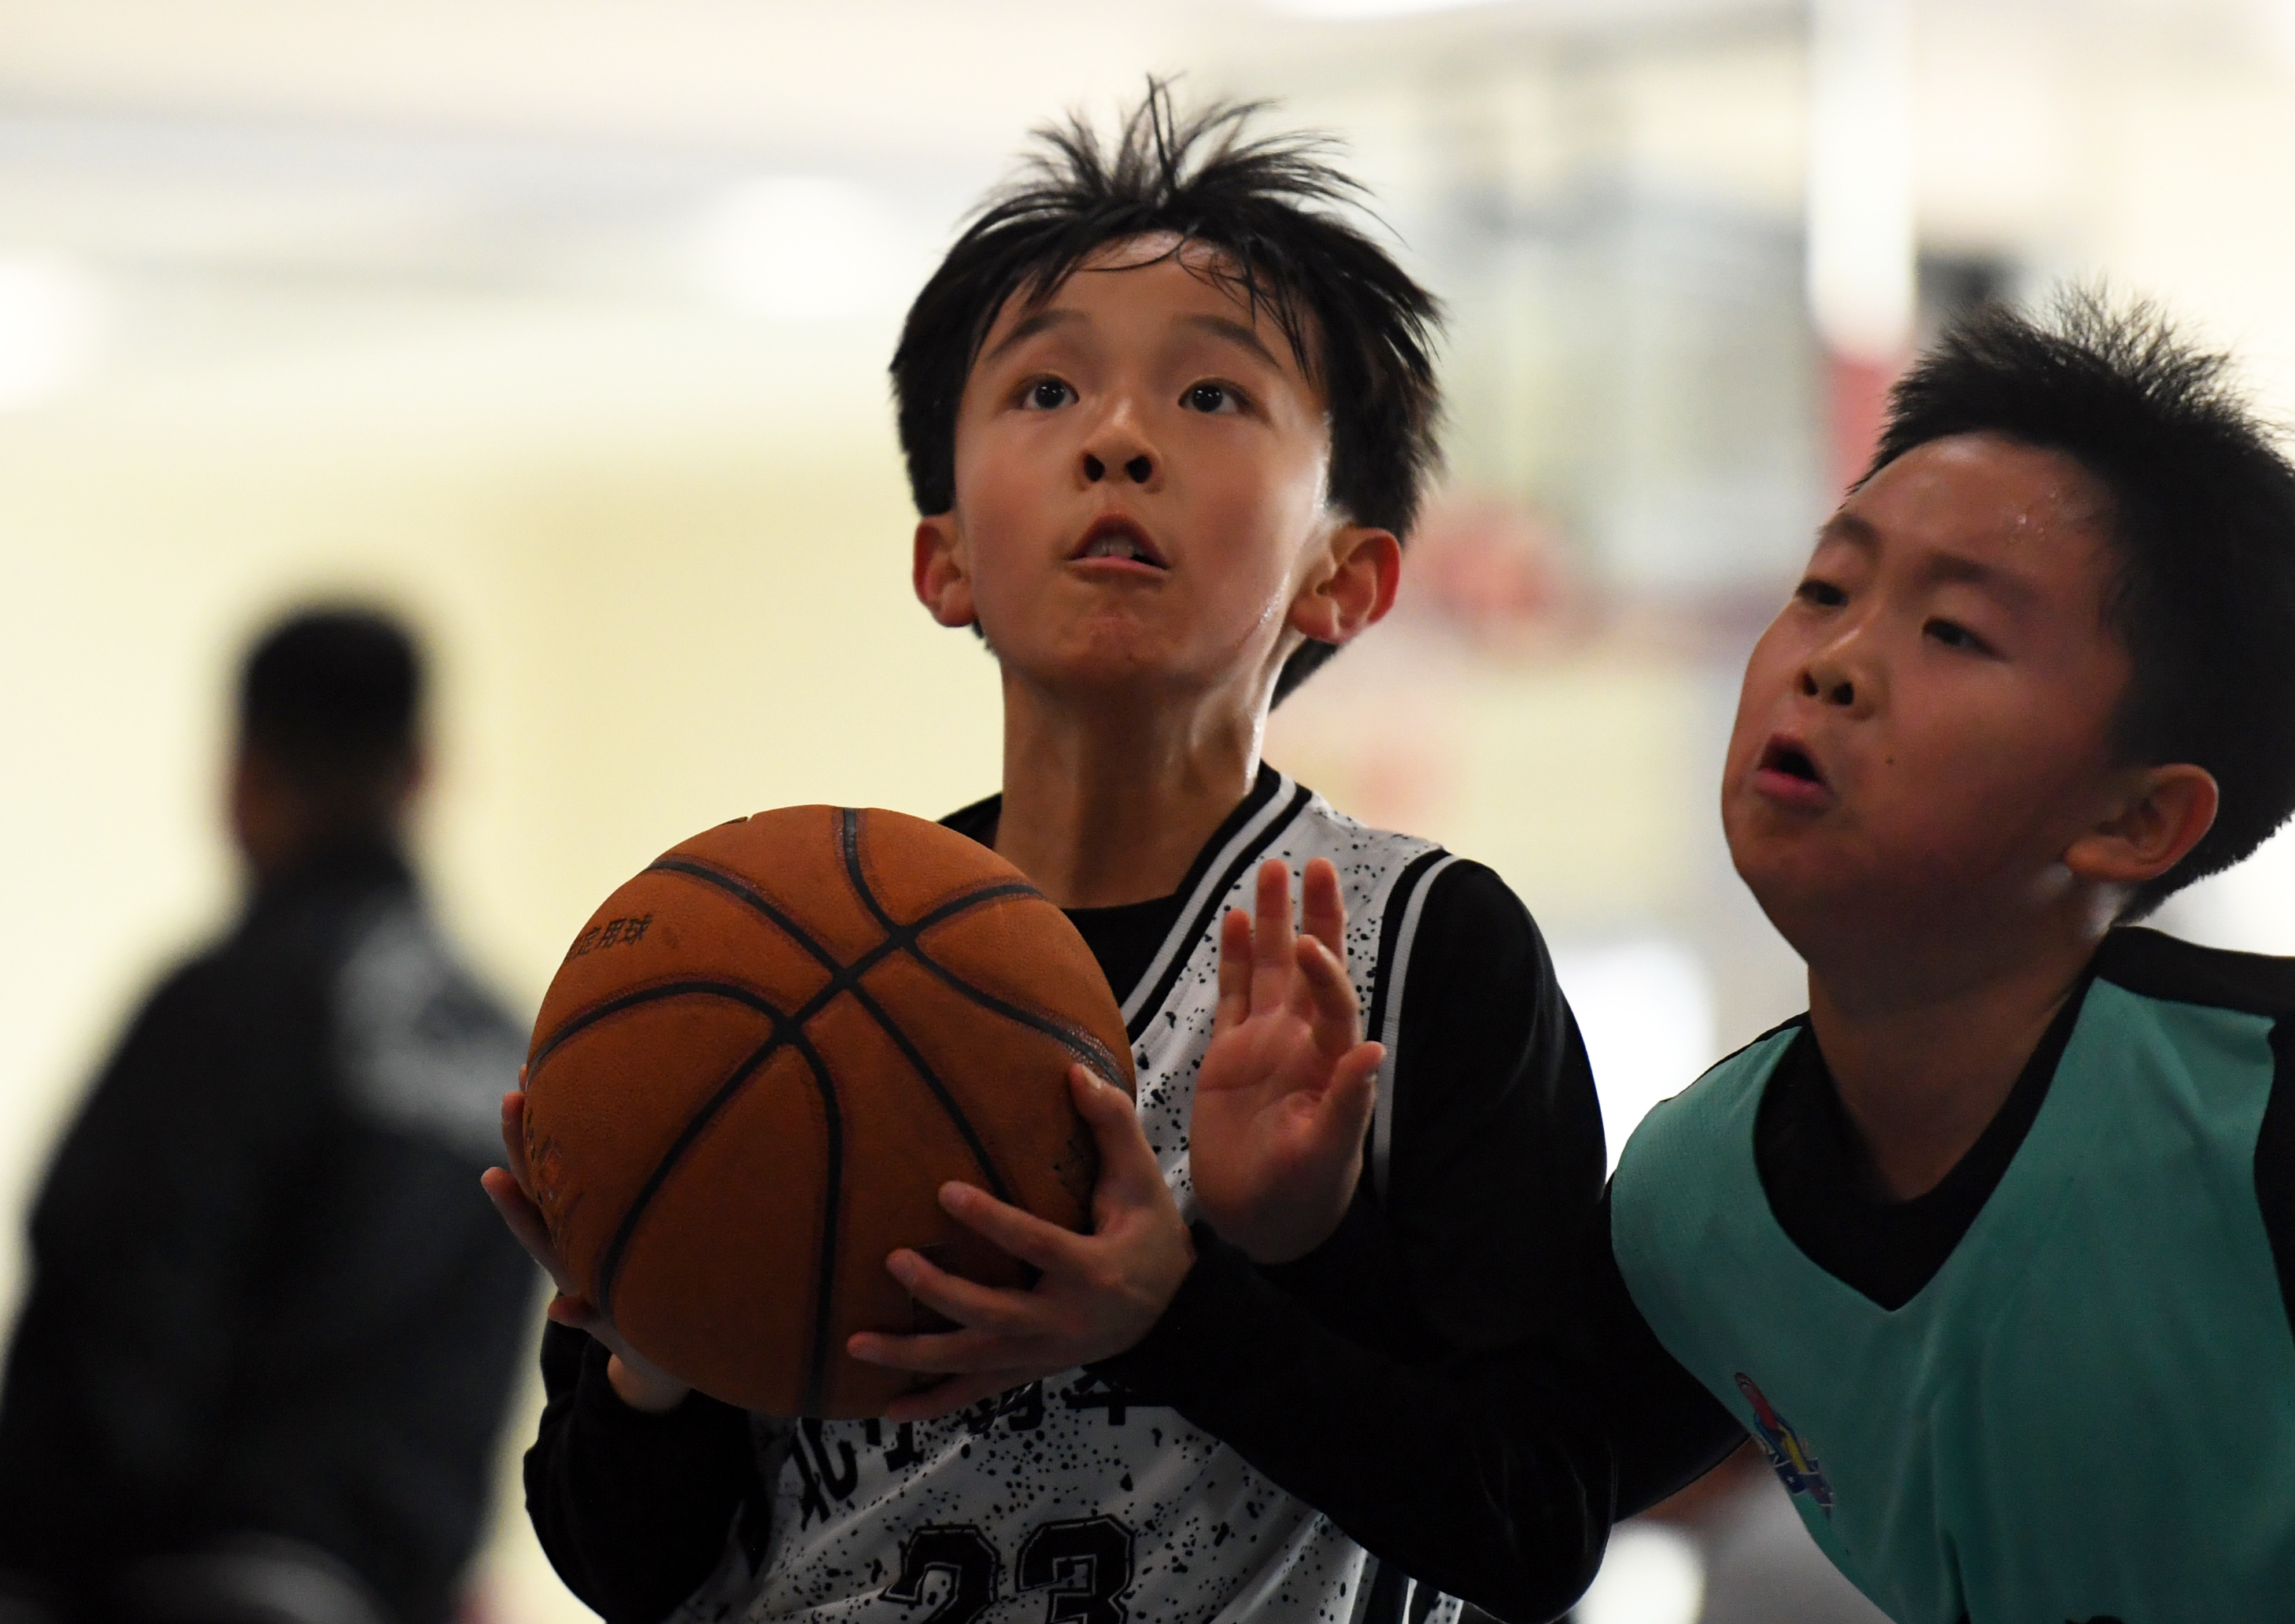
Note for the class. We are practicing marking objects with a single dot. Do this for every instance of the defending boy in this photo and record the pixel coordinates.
(1993, 1251)
(1168, 418)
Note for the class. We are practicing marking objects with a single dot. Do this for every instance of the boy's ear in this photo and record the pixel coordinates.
(2167, 810)
(1354, 590)
(937, 570)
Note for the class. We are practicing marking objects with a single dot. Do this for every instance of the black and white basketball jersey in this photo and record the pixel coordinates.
(1065, 1502)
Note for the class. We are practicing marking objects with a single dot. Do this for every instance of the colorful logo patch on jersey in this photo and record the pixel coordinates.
(1794, 1463)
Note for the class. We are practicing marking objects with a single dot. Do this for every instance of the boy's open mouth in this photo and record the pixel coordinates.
(1112, 535)
(1790, 759)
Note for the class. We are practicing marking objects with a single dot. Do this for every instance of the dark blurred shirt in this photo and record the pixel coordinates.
(268, 1296)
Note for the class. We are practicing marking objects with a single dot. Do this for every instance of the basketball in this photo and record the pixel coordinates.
(762, 1057)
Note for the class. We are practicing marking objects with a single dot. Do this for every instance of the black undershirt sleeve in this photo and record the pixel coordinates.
(1493, 1477)
(1496, 1155)
(1664, 1428)
(632, 1509)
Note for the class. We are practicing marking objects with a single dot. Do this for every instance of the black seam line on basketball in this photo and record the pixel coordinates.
(849, 833)
(898, 937)
(789, 1026)
(844, 978)
(963, 1125)
(645, 995)
(824, 1270)
(610, 1261)
(742, 892)
(833, 1186)
(1137, 1028)
(848, 838)
(848, 978)
(1083, 1045)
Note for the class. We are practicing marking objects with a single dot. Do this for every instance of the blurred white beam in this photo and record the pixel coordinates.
(1861, 242)
(51, 326)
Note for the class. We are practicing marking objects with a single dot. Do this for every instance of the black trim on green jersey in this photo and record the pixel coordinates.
(1819, 1181)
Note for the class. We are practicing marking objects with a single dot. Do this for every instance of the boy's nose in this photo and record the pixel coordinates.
(1844, 677)
(1832, 688)
(1139, 469)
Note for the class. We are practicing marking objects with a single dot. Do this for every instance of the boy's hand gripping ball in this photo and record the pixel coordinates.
(760, 1061)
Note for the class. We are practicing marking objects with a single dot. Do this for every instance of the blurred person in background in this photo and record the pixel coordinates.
(273, 1323)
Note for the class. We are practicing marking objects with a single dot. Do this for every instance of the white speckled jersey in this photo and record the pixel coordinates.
(1065, 1502)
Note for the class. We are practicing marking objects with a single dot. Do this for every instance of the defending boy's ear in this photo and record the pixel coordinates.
(1351, 587)
(938, 573)
(2167, 810)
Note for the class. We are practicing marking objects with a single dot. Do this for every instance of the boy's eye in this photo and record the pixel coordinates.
(1212, 397)
(1823, 594)
(1046, 395)
(1955, 636)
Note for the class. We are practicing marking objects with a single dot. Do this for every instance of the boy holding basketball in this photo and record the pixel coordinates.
(1168, 418)
(1993, 1251)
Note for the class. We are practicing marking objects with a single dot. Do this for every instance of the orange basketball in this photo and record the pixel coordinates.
(761, 1059)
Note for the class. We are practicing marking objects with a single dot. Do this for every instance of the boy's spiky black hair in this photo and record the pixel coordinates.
(1274, 206)
(2202, 516)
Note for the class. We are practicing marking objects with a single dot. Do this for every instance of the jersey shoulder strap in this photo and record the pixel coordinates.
(1404, 909)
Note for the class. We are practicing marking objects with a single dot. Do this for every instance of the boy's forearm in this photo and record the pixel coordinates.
(1479, 1481)
(632, 1509)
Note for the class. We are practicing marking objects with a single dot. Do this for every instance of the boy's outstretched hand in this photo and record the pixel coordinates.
(641, 1385)
(1285, 1092)
(1097, 1294)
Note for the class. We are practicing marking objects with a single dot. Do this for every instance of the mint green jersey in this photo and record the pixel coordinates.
(2088, 1411)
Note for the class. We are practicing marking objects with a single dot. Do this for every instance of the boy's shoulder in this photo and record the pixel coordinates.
(2153, 965)
(1433, 897)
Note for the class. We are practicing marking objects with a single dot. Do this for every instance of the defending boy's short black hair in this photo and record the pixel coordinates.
(1357, 324)
(2202, 515)
(332, 696)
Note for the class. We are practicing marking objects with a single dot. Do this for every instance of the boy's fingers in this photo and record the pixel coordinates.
(1026, 1236)
(978, 1308)
(1322, 913)
(1234, 971)
(513, 1133)
(1334, 1122)
(1272, 937)
(1127, 1162)
(1331, 997)
(524, 1220)
(937, 1352)
(1353, 1093)
(573, 1312)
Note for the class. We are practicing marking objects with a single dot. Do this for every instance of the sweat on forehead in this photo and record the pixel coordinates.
(1984, 482)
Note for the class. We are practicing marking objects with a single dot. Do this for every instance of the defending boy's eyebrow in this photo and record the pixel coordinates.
(1845, 527)
(1955, 567)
